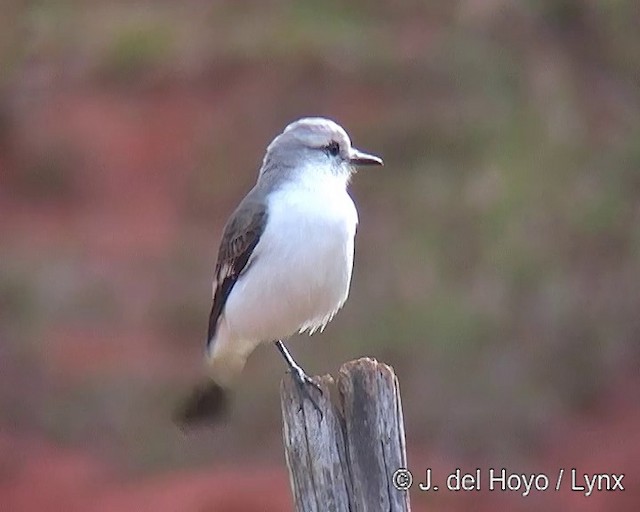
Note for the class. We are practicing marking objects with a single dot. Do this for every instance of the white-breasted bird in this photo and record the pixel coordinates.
(286, 256)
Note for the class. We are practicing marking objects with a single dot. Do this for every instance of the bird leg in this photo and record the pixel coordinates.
(299, 375)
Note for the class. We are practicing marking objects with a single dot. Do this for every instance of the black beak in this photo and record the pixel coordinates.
(359, 158)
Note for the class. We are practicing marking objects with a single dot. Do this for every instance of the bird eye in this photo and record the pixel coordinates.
(333, 148)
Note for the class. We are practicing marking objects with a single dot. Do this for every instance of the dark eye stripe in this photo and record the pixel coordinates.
(333, 148)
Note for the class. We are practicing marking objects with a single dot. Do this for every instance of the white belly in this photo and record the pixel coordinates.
(300, 272)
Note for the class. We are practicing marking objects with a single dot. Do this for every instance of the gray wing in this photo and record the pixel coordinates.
(241, 235)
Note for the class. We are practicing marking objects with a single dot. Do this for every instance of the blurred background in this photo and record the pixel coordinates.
(497, 259)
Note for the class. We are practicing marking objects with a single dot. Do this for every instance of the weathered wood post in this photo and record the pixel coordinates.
(344, 460)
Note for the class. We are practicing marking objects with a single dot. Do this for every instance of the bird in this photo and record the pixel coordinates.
(285, 258)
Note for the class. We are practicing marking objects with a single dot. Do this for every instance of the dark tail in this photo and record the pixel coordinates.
(207, 404)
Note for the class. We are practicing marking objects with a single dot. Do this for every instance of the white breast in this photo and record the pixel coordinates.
(300, 272)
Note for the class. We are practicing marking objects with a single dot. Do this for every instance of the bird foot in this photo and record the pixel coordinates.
(304, 381)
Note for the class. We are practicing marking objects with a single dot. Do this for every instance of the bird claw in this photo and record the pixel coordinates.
(300, 377)
(303, 380)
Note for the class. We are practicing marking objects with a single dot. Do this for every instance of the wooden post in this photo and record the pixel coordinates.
(344, 460)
